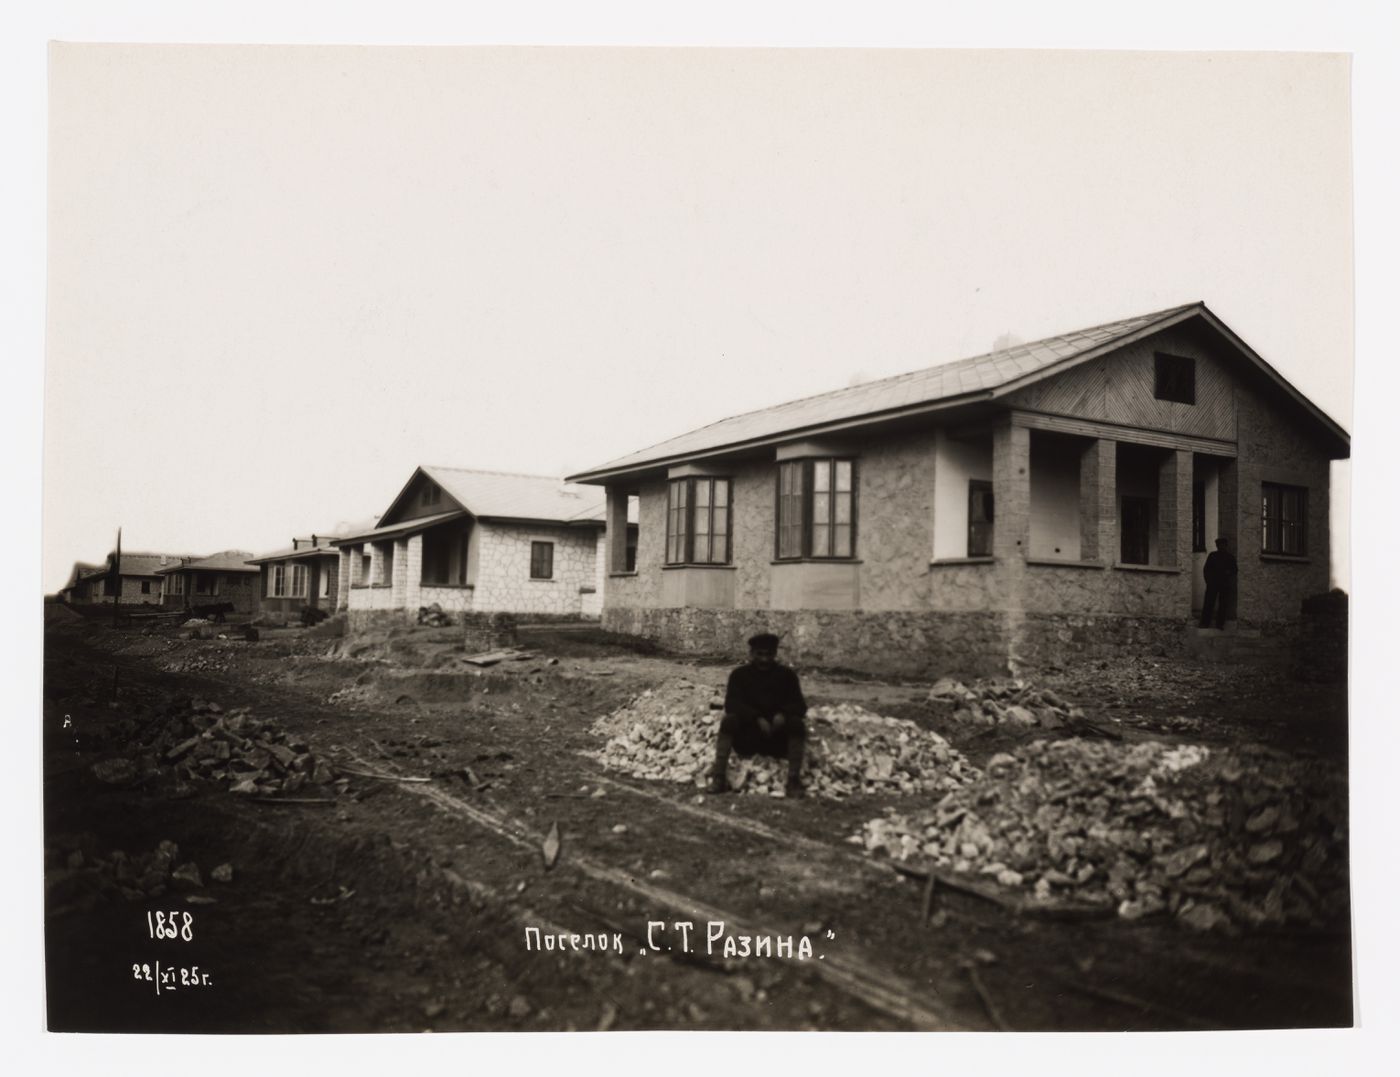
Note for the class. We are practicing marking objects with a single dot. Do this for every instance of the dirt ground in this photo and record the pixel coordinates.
(402, 905)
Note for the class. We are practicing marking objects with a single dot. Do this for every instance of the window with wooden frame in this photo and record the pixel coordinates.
(697, 522)
(366, 564)
(1198, 517)
(816, 509)
(1174, 378)
(206, 583)
(980, 516)
(324, 591)
(299, 581)
(432, 494)
(277, 582)
(1283, 514)
(176, 584)
(541, 560)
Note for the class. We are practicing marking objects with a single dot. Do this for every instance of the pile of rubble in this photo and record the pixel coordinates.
(203, 743)
(1004, 702)
(76, 877)
(1215, 838)
(434, 616)
(669, 735)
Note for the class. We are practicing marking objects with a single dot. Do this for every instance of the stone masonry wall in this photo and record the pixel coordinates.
(503, 577)
(1271, 450)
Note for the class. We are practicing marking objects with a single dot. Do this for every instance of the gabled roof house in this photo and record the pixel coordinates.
(1040, 502)
(476, 542)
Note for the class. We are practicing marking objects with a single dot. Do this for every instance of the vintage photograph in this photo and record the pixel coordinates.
(750, 539)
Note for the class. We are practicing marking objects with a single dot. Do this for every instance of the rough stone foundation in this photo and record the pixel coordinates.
(488, 631)
(906, 643)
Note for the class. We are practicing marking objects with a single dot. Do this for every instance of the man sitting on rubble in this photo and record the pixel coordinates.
(763, 715)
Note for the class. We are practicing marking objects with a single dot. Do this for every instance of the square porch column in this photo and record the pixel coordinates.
(376, 563)
(412, 557)
(343, 578)
(1011, 492)
(617, 529)
(1098, 501)
(1174, 509)
(398, 575)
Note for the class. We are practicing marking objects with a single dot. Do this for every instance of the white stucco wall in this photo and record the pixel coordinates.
(955, 463)
(1055, 524)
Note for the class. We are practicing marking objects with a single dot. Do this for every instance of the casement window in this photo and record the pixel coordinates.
(277, 582)
(324, 591)
(387, 572)
(980, 515)
(1174, 378)
(298, 581)
(1283, 513)
(145, 587)
(366, 564)
(697, 523)
(630, 556)
(175, 584)
(816, 508)
(432, 494)
(1198, 517)
(541, 560)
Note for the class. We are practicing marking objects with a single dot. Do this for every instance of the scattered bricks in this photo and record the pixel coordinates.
(115, 771)
(285, 756)
(244, 787)
(222, 874)
(187, 877)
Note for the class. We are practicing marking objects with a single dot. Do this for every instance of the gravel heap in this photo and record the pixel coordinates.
(1243, 836)
(1003, 702)
(669, 735)
(199, 742)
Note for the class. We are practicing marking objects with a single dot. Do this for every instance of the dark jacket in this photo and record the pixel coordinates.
(1221, 567)
(761, 693)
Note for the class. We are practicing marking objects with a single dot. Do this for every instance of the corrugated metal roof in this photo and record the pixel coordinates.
(979, 373)
(227, 561)
(513, 496)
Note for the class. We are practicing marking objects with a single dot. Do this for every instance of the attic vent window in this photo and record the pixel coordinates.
(432, 495)
(1176, 378)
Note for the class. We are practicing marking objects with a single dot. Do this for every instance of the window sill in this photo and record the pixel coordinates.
(621, 575)
(588, 590)
(694, 564)
(1287, 558)
(448, 586)
(543, 579)
(815, 561)
(1065, 562)
(381, 586)
(1169, 569)
(939, 562)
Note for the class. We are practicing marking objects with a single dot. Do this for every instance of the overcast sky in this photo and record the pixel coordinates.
(281, 278)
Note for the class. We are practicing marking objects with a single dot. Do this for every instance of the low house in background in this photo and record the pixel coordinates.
(69, 592)
(477, 542)
(1043, 501)
(221, 579)
(306, 575)
(138, 581)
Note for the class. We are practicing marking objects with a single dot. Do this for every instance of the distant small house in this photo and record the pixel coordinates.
(138, 580)
(477, 542)
(70, 590)
(305, 575)
(217, 580)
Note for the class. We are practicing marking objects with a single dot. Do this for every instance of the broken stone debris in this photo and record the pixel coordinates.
(668, 734)
(1216, 838)
(85, 879)
(1004, 702)
(198, 741)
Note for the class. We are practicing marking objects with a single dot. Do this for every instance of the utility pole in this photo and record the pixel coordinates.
(116, 577)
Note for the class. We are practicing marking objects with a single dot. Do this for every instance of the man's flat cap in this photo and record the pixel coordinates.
(764, 641)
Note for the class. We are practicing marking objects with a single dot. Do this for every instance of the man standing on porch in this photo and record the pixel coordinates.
(764, 714)
(1220, 572)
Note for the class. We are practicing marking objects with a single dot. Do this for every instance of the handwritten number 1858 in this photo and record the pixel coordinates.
(172, 925)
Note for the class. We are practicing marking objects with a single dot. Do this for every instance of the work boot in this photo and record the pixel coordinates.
(794, 789)
(718, 784)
